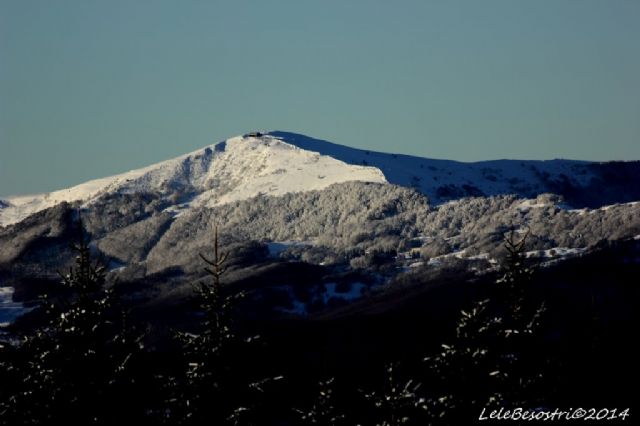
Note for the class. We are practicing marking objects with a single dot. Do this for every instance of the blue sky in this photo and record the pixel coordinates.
(92, 88)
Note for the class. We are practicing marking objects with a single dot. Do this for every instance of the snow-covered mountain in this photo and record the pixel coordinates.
(314, 211)
(278, 163)
(235, 169)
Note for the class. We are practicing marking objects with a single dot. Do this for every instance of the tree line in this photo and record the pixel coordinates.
(87, 362)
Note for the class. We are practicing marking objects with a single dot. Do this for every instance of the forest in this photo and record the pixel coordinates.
(521, 336)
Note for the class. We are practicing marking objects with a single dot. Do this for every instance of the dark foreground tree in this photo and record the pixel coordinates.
(323, 410)
(397, 402)
(76, 368)
(493, 359)
(217, 386)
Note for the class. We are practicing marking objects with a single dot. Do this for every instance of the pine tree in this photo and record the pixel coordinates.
(464, 370)
(397, 402)
(216, 386)
(323, 411)
(520, 362)
(492, 359)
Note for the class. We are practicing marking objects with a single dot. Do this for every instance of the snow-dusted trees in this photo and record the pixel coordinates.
(367, 217)
(397, 402)
(75, 366)
(323, 410)
(374, 216)
(343, 218)
(492, 359)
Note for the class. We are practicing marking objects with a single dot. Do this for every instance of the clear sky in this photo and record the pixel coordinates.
(92, 88)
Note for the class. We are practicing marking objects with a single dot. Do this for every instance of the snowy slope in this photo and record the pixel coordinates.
(443, 180)
(277, 163)
(235, 169)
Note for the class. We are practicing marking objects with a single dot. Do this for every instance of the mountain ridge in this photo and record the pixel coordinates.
(279, 162)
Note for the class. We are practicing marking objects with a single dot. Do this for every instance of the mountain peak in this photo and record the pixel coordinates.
(280, 162)
(235, 169)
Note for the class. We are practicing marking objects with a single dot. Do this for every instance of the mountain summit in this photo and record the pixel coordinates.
(277, 163)
(235, 169)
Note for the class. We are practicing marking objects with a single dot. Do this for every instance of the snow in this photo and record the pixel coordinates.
(435, 261)
(271, 166)
(555, 252)
(236, 169)
(584, 211)
(481, 256)
(355, 292)
(298, 308)
(278, 163)
(527, 205)
(427, 175)
(552, 253)
(9, 310)
(116, 266)
(276, 248)
(580, 212)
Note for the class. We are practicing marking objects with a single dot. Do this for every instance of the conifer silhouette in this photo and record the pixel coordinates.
(491, 360)
(74, 367)
(323, 410)
(216, 386)
(397, 402)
